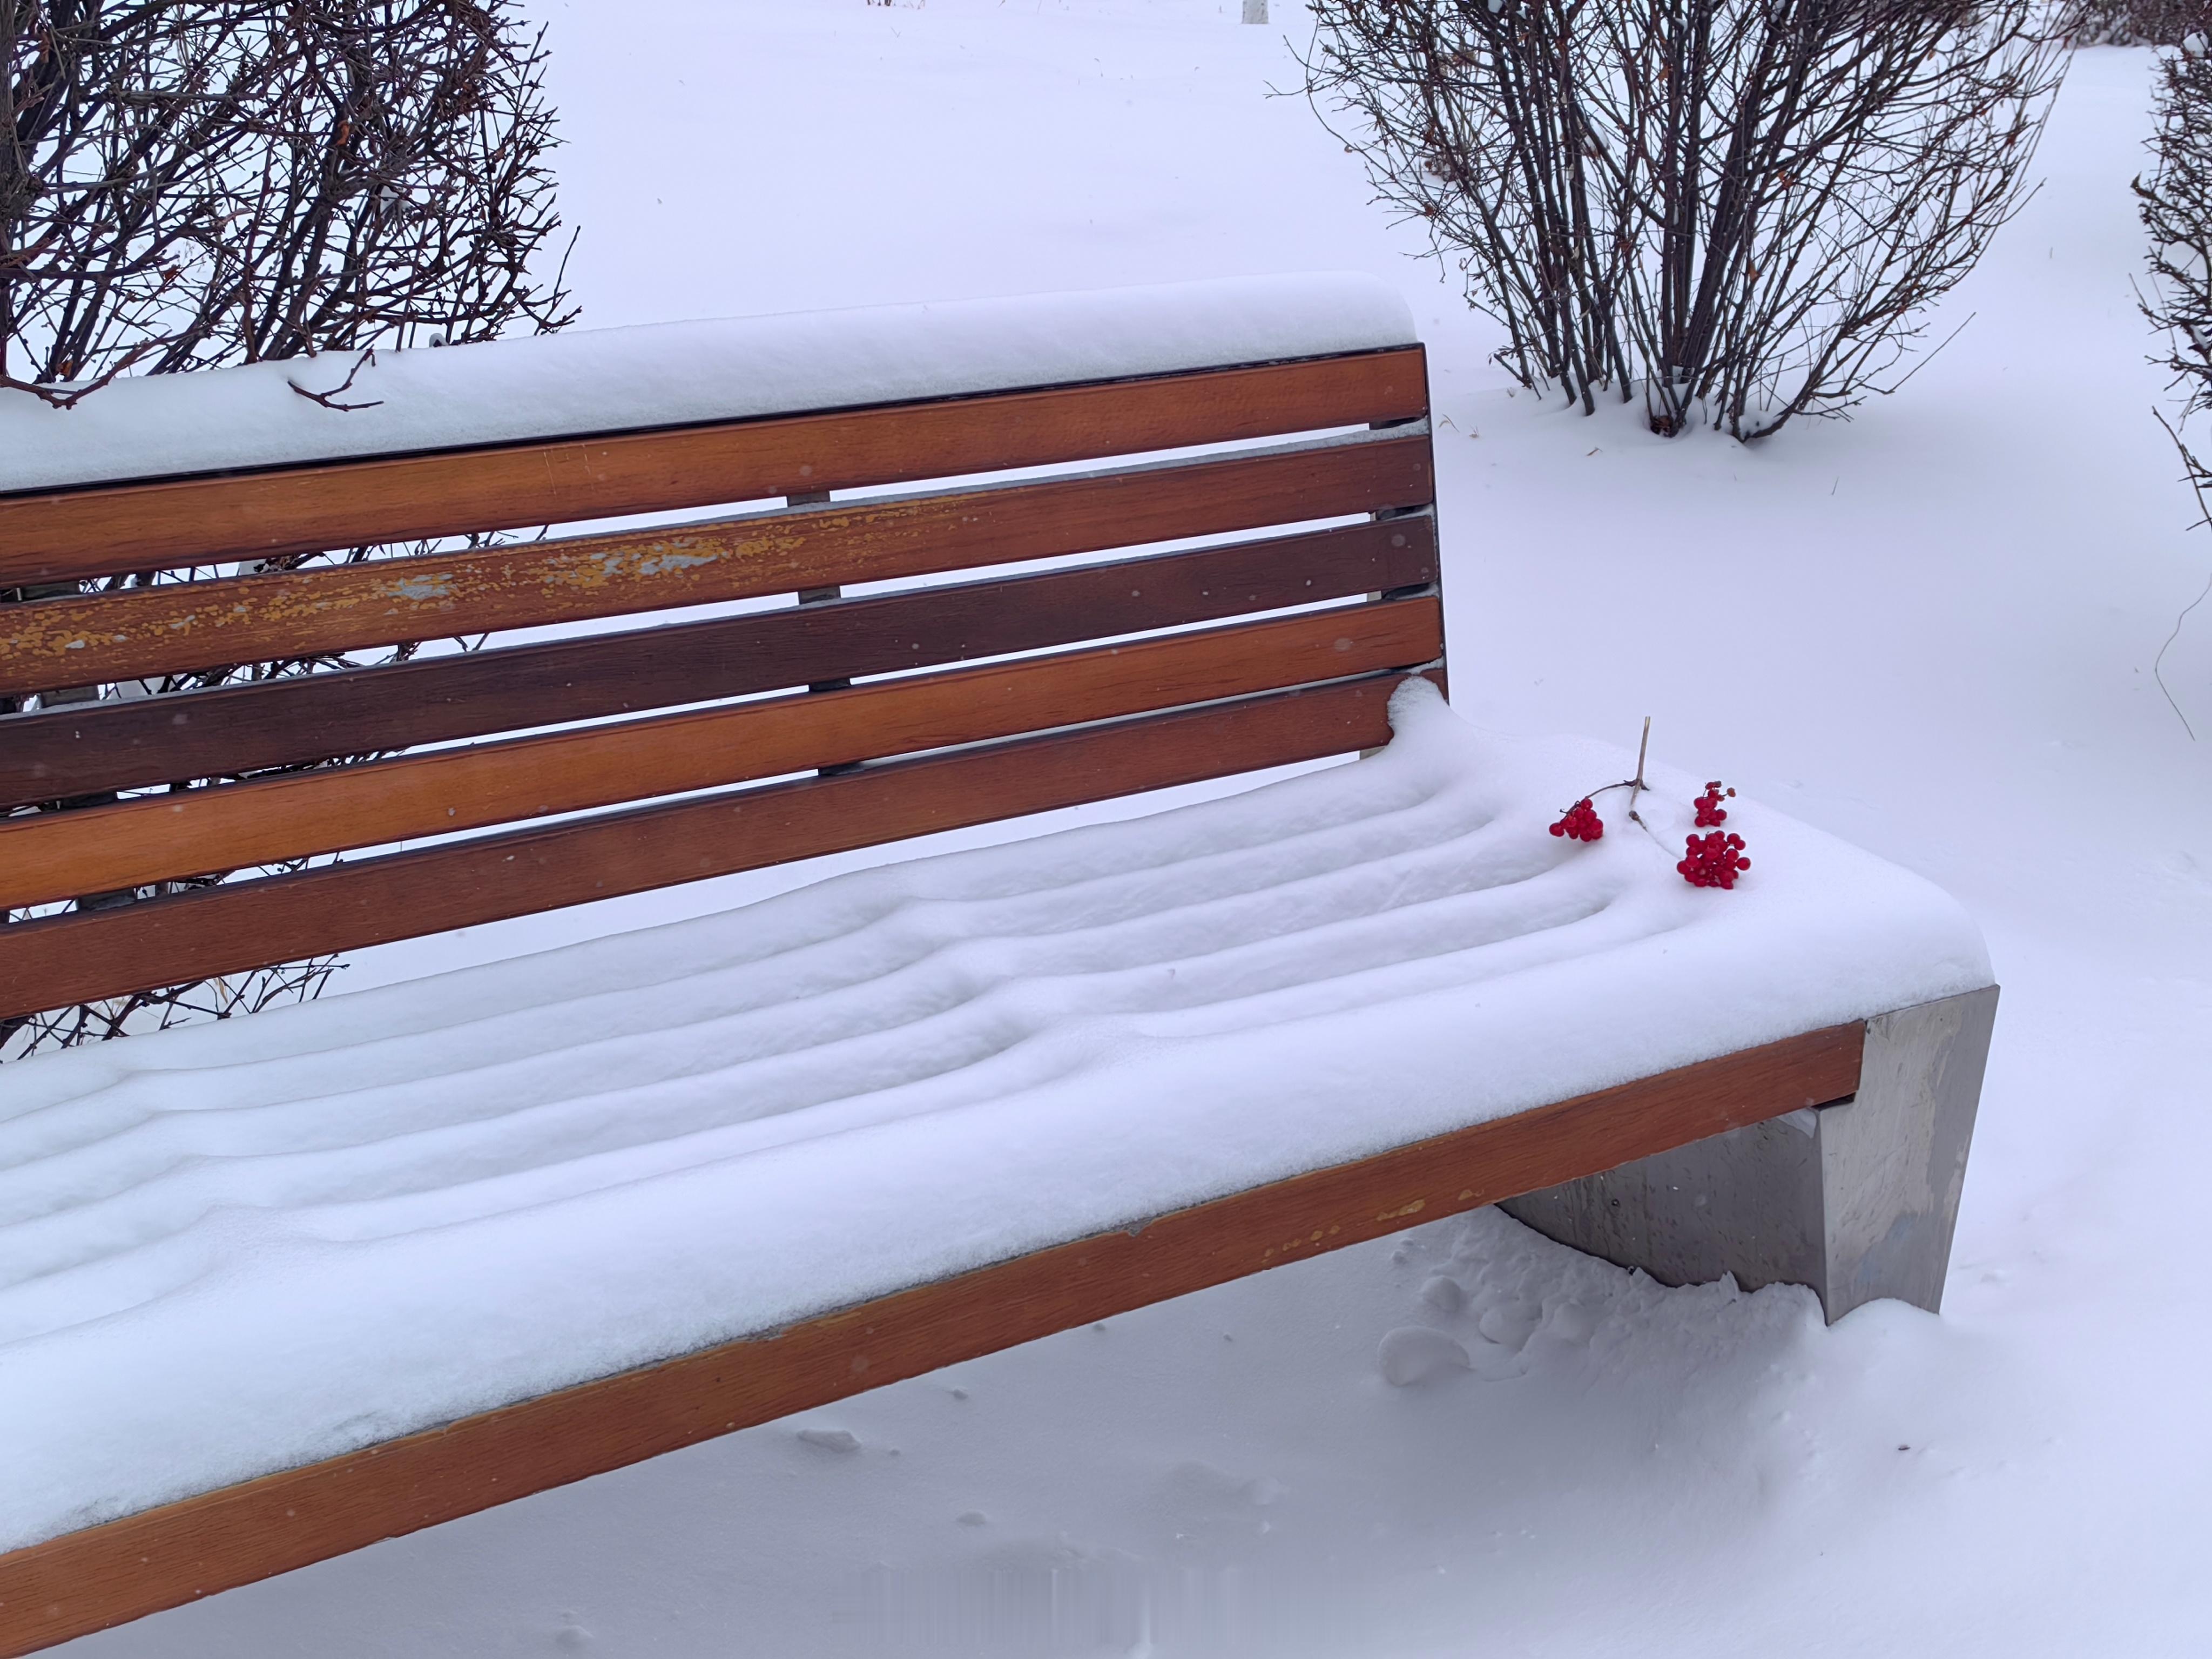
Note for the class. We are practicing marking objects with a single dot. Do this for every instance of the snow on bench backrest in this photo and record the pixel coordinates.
(599, 380)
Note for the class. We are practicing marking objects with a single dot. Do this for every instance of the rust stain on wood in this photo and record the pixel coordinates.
(231, 731)
(149, 631)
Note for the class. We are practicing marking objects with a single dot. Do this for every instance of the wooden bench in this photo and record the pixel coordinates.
(820, 720)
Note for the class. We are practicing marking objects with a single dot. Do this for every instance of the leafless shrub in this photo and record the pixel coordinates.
(187, 184)
(2175, 203)
(1740, 208)
(2175, 199)
(2134, 22)
(184, 185)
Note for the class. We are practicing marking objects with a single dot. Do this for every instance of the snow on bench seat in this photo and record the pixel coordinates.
(236, 1248)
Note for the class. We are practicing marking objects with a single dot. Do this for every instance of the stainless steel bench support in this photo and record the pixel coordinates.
(1857, 1200)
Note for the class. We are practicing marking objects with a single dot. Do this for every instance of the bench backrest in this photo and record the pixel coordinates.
(801, 728)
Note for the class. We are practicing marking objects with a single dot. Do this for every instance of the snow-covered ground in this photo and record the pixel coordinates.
(1930, 631)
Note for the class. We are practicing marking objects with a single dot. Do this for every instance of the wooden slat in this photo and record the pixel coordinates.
(119, 529)
(136, 843)
(79, 957)
(147, 631)
(85, 748)
(103, 1575)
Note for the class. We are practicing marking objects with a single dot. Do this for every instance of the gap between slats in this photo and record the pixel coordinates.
(56, 961)
(136, 843)
(117, 745)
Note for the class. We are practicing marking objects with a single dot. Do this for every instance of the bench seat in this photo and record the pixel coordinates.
(234, 1249)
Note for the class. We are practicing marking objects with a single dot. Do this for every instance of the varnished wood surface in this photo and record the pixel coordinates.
(90, 1580)
(136, 843)
(78, 957)
(143, 632)
(115, 530)
(119, 745)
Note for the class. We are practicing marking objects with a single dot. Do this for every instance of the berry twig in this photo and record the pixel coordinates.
(1581, 822)
(1637, 785)
(1714, 859)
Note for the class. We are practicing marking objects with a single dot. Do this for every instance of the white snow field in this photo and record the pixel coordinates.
(1930, 632)
(242, 1247)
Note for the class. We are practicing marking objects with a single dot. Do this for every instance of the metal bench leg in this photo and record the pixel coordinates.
(1857, 1200)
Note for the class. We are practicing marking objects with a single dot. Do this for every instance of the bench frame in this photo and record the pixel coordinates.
(1831, 1158)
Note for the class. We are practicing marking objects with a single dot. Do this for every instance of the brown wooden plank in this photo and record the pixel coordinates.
(78, 957)
(89, 1580)
(85, 748)
(135, 844)
(147, 631)
(113, 530)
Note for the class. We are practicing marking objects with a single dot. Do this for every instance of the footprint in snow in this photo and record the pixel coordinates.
(1510, 1324)
(1444, 1294)
(1414, 1354)
(1570, 1321)
(1203, 1485)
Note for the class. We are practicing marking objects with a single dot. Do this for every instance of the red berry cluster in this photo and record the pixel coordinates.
(1713, 859)
(1580, 821)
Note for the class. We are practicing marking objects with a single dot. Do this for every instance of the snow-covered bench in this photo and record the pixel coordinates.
(275, 1288)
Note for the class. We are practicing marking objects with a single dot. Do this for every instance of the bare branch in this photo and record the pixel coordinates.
(329, 399)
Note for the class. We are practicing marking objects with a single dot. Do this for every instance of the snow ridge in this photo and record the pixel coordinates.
(232, 1247)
